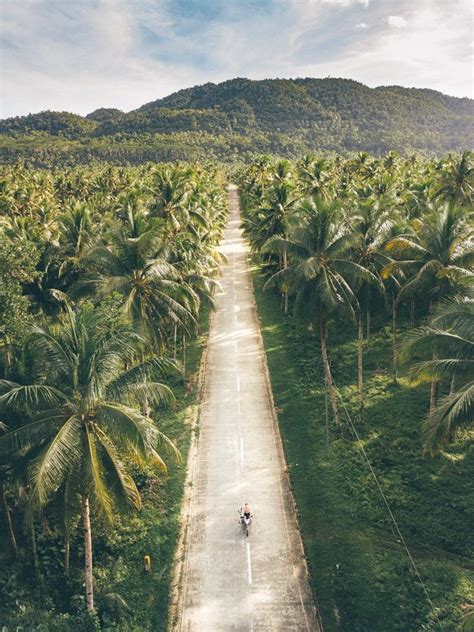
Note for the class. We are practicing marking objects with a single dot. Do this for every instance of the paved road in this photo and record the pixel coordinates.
(231, 582)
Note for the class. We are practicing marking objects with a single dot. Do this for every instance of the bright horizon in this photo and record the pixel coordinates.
(81, 56)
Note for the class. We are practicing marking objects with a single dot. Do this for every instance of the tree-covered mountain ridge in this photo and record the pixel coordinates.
(241, 117)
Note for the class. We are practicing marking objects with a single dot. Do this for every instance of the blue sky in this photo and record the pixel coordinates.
(78, 55)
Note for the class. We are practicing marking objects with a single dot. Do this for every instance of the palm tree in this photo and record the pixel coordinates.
(154, 293)
(322, 277)
(432, 256)
(450, 334)
(272, 218)
(374, 221)
(77, 232)
(170, 195)
(82, 421)
(316, 177)
(457, 181)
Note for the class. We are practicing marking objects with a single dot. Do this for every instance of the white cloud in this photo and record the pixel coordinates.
(398, 21)
(430, 52)
(347, 3)
(77, 56)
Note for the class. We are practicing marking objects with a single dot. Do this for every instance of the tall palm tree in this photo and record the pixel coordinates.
(372, 225)
(81, 417)
(438, 246)
(272, 218)
(153, 290)
(457, 181)
(450, 333)
(170, 195)
(320, 274)
(316, 177)
(433, 255)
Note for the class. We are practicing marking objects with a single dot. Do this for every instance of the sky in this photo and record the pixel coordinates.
(79, 55)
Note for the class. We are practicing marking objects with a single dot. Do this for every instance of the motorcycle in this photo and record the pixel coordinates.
(245, 521)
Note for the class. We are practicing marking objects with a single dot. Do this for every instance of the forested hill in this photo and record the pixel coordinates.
(239, 118)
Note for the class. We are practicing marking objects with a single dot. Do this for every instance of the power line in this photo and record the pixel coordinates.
(392, 517)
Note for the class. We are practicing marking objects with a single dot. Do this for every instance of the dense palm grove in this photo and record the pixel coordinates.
(104, 272)
(347, 238)
(369, 262)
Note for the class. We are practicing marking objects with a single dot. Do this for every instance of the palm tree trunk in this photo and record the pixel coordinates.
(433, 390)
(86, 519)
(327, 369)
(34, 549)
(367, 326)
(367, 317)
(184, 355)
(67, 553)
(145, 404)
(285, 293)
(360, 367)
(432, 397)
(394, 341)
(8, 358)
(11, 532)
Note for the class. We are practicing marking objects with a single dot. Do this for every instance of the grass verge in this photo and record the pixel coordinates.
(359, 570)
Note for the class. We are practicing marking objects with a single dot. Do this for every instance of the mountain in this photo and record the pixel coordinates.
(239, 118)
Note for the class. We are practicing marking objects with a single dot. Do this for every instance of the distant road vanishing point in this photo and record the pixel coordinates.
(229, 581)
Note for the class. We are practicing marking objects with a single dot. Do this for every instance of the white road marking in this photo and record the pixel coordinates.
(249, 564)
(238, 384)
(241, 453)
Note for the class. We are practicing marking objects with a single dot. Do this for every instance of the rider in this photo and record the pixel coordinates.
(246, 511)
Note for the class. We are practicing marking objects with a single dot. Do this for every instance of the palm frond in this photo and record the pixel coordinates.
(454, 413)
(49, 471)
(20, 396)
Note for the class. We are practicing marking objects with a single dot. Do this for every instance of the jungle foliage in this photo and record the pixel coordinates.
(239, 119)
(106, 278)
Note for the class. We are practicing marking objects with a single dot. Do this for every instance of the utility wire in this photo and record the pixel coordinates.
(392, 517)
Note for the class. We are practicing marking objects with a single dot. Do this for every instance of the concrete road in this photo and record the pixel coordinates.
(229, 581)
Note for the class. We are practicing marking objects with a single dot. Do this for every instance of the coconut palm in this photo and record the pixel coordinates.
(139, 268)
(438, 247)
(433, 255)
(320, 274)
(450, 334)
(81, 419)
(372, 225)
(170, 195)
(457, 181)
(316, 177)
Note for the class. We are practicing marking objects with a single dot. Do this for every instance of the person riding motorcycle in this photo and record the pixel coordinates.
(246, 511)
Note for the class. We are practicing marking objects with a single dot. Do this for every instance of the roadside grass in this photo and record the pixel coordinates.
(360, 572)
(55, 601)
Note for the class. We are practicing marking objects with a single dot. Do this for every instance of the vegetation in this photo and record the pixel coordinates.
(106, 278)
(105, 282)
(374, 264)
(239, 119)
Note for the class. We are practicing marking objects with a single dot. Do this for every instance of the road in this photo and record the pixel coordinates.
(229, 581)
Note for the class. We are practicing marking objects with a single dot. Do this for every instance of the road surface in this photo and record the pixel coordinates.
(229, 581)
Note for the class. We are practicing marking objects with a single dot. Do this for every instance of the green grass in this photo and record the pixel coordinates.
(56, 602)
(360, 574)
